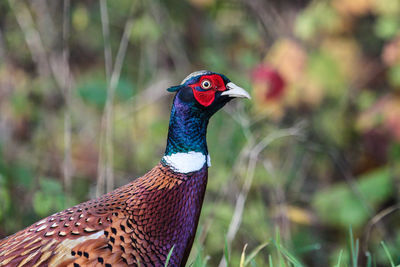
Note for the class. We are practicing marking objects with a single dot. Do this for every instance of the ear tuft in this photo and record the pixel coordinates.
(174, 88)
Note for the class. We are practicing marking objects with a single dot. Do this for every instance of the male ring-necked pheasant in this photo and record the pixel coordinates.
(139, 223)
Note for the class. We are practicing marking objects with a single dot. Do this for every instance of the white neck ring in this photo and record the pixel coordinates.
(187, 162)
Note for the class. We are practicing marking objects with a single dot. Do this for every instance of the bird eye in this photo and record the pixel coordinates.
(206, 84)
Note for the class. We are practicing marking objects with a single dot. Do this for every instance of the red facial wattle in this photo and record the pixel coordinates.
(206, 96)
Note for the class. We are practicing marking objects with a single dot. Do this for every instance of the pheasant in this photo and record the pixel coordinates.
(140, 223)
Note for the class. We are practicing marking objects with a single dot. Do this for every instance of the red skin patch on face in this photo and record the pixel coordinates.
(207, 96)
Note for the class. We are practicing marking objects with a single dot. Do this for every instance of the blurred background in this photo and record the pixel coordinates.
(305, 174)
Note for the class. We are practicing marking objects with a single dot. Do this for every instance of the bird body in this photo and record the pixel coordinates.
(140, 223)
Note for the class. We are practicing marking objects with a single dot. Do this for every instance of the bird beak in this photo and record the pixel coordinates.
(235, 91)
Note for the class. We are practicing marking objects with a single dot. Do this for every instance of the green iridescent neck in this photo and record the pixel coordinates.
(187, 129)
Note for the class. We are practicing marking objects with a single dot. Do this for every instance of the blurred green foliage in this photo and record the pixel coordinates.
(371, 190)
(337, 166)
(49, 197)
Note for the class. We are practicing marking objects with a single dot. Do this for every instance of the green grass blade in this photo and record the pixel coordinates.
(339, 259)
(357, 250)
(199, 261)
(226, 252)
(255, 252)
(169, 256)
(290, 257)
(243, 256)
(282, 251)
(278, 246)
(369, 259)
(271, 264)
(387, 253)
(353, 248)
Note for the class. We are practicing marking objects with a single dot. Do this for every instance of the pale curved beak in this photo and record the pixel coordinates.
(235, 91)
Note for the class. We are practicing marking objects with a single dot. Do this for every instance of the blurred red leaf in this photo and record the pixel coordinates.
(272, 81)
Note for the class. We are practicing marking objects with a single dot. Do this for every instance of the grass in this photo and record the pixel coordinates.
(280, 256)
(354, 248)
(254, 253)
(169, 256)
(226, 252)
(388, 254)
(285, 257)
(339, 258)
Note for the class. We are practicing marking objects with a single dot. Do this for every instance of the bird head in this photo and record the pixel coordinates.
(207, 91)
